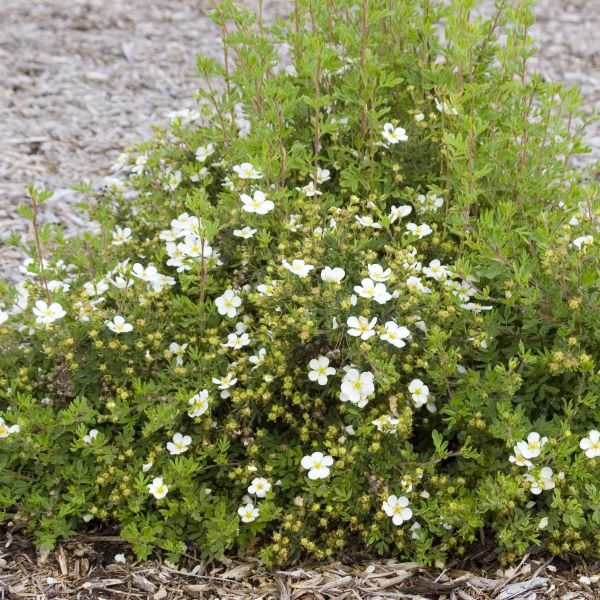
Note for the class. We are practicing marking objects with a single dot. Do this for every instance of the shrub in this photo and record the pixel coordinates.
(346, 302)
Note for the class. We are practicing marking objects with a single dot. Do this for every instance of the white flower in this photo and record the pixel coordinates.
(203, 152)
(180, 444)
(120, 558)
(415, 284)
(361, 327)
(198, 404)
(543, 523)
(317, 465)
(474, 307)
(394, 134)
(257, 204)
(265, 289)
(245, 233)
(119, 325)
(95, 288)
(224, 383)
(121, 236)
(419, 117)
(420, 231)
(436, 270)
(185, 115)
(518, 458)
(542, 482)
(591, 444)
(397, 508)
(378, 274)
(248, 513)
(310, 190)
(532, 448)
(395, 334)
(157, 488)
(368, 289)
(386, 424)
(581, 243)
(90, 436)
(184, 225)
(323, 175)
(228, 303)
(46, 314)
(258, 358)
(320, 370)
(147, 466)
(3, 316)
(259, 487)
(357, 387)
(419, 392)
(148, 274)
(236, 341)
(5, 430)
(178, 350)
(298, 267)
(398, 212)
(334, 275)
(367, 221)
(172, 181)
(430, 203)
(444, 107)
(246, 171)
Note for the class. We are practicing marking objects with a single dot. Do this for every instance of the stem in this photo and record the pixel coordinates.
(38, 248)
(363, 49)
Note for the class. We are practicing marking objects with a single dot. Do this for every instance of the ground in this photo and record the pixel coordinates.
(81, 80)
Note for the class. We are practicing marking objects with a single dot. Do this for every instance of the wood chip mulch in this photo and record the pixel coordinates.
(86, 568)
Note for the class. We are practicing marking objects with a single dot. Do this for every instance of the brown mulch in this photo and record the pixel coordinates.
(85, 568)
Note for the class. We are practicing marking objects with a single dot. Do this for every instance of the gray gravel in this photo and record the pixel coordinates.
(84, 78)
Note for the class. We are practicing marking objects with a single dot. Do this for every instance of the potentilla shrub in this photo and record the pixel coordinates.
(346, 302)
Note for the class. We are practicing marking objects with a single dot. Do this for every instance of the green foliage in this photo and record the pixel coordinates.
(371, 143)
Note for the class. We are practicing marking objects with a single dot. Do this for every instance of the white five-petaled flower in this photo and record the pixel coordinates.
(436, 270)
(386, 424)
(361, 327)
(121, 236)
(157, 488)
(542, 481)
(204, 152)
(248, 513)
(317, 465)
(320, 370)
(334, 275)
(591, 444)
(245, 233)
(430, 203)
(395, 334)
(356, 387)
(228, 303)
(237, 341)
(259, 487)
(148, 274)
(90, 436)
(246, 171)
(5, 430)
(48, 313)
(367, 221)
(518, 458)
(532, 447)
(258, 203)
(398, 509)
(298, 267)
(178, 351)
(119, 325)
(198, 404)
(378, 274)
(419, 392)
(581, 243)
(323, 175)
(394, 134)
(258, 358)
(180, 444)
(369, 289)
(398, 212)
(420, 231)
